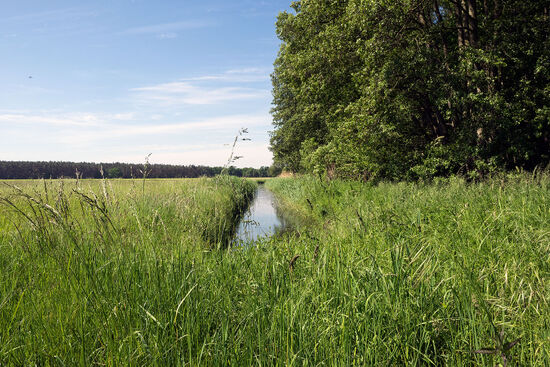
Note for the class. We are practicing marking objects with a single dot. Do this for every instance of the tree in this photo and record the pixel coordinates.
(312, 80)
(114, 172)
(412, 88)
(274, 171)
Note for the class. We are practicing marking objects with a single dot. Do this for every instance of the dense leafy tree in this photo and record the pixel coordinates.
(312, 81)
(412, 88)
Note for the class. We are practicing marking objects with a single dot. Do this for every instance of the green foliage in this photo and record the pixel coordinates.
(274, 170)
(312, 81)
(114, 172)
(374, 89)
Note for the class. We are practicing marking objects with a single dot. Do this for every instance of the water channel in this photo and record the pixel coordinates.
(262, 219)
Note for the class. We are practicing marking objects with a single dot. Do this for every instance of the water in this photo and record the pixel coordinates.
(262, 218)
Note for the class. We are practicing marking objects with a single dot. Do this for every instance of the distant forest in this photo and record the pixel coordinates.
(411, 89)
(34, 170)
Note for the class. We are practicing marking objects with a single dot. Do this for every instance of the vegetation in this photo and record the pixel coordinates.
(34, 170)
(455, 272)
(410, 274)
(412, 89)
(96, 272)
(135, 273)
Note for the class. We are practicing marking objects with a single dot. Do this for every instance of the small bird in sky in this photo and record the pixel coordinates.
(30, 76)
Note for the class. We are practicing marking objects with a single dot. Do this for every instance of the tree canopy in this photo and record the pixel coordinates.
(412, 88)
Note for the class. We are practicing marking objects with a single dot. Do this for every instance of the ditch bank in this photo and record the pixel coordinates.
(226, 218)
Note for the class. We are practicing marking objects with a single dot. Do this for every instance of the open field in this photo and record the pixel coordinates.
(117, 273)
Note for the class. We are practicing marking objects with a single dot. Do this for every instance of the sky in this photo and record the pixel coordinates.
(116, 80)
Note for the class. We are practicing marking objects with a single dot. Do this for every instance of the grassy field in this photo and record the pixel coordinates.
(94, 272)
(398, 274)
(130, 272)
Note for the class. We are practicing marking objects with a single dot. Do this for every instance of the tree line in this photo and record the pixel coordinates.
(35, 170)
(409, 89)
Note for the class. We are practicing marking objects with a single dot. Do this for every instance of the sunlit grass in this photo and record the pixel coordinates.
(393, 274)
(86, 266)
(422, 274)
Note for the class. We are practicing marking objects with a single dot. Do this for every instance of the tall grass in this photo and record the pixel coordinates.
(443, 274)
(88, 270)
(393, 274)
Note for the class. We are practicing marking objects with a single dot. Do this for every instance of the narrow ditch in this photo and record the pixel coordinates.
(262, 219)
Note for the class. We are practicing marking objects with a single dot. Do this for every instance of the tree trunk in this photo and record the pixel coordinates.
(466, 17)
(460, 23)
(472, 22)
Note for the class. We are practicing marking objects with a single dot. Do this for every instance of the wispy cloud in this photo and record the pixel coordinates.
(88, 127)
(167, 29)
(218, 124)
(208, 89)
(67, 121)
(177, 93)
(82, 120)
(169, 35)
(253, 155)
(246, 75)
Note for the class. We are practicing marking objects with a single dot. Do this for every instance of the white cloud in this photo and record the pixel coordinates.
(127, 138)
(168, 119)
(167, 28)
(163, 148)
(246, 75)
(169, 35)
(123, 116)
(218, 124)
(247, 71)
(83, 127)
(183, 92)
(41, 120)
(208, 89)
(67, 120)
(176, 87)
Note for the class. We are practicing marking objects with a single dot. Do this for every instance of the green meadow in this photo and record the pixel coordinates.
(141, 272)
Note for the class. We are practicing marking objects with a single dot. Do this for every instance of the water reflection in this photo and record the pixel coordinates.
(261, 220)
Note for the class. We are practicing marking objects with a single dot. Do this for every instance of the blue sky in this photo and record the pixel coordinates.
(106, 81)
